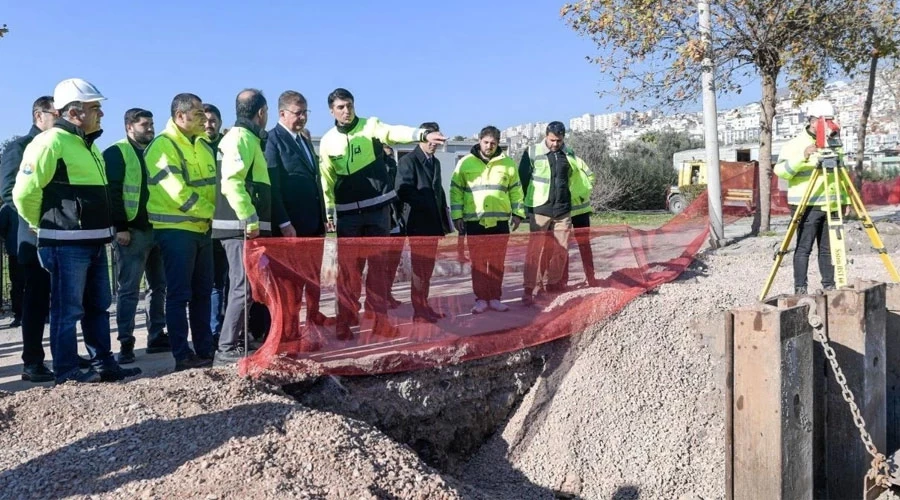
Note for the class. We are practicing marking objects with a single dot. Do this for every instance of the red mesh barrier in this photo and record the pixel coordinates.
(627, 262)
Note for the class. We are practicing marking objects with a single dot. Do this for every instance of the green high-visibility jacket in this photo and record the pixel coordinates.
(134, 172)
(181, 178)
(61, 188)
(351, 160)
(486, 192)
(797, 170)
(245, 195)
(581, 180)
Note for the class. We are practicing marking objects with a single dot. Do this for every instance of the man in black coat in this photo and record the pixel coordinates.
(9, 227)
(36, 298)
(426, 218)
(298, 206)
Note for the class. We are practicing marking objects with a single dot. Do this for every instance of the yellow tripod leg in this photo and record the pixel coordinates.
(869, 226)
(835, 218)
(792, 228)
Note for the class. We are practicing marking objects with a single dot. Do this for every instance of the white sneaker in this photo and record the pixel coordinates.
(479, 307)
(498, 306)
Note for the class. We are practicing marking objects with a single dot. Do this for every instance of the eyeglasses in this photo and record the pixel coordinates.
(302, 112)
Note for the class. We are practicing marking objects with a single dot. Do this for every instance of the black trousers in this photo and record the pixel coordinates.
(35, 304)
(17, 285)
(813, 228)
(422, 252)
(354, 252)
(488, 256)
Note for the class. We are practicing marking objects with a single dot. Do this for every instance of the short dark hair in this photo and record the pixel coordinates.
(339, 93)
(556, 128)
(430, 127)
(183, 102)
(42, 103)
(134, 115)
(491, 131)
(248, 103)
(212, 108)
(289, 97)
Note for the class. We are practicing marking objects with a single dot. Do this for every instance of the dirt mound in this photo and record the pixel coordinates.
(635, 408)
(202, 434)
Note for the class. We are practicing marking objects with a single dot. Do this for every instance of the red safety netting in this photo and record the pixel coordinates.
(627, 261)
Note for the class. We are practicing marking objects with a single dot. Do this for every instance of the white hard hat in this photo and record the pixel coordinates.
(819, 109)
(75, 89)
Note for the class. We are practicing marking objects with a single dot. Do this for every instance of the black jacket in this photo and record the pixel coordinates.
(296, 184)
(115, 175)
(9, 168)
(425, 204)
(9, 225)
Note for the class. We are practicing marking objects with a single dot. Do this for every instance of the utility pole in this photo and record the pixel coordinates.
(711, 131)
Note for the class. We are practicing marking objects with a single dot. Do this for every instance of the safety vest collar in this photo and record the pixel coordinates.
(346, 129)
(252, 127)
(71, 128)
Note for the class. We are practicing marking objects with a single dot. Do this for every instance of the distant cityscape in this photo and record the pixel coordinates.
(741, 125)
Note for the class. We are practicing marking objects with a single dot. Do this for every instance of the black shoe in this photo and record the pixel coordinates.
(393, 303)
(37, 373)
(436, 314)
(425, 316)
(800, 290)
(87, 377)
(829, 288)
(126, 353)
(342, 332)
(159, 344)
(15, 323)
(227, 358)
(320, 319)
(191, 362)
(556, 288)
(384, 328)
(84, 363)
(115, 373)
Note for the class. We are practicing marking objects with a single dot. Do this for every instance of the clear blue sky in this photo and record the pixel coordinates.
(464, 63)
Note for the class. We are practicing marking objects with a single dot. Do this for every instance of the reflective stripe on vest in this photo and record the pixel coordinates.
(75, 234)
(538, 191)
(371, 202)
(239, 225)
(174, 219)
(131, 185)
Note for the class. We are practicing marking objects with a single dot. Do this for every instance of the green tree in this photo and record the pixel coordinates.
(653, 50)
(3, 30)
(874, 38)
(458, 138)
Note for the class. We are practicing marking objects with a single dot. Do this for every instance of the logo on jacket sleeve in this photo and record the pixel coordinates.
(28, 168)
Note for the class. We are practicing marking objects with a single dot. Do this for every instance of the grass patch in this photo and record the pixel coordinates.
(647, 218)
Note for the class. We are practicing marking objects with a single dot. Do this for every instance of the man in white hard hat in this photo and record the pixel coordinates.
(796, 163)
(61, 193)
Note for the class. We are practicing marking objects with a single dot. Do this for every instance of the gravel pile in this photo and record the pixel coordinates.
(632, 408)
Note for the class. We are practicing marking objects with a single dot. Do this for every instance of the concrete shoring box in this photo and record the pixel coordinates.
(892, 367)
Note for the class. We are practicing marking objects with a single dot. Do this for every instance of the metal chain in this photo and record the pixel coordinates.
(879, 472)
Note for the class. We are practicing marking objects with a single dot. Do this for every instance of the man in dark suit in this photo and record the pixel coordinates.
(425, 213)
(36, 300)
(298, 206)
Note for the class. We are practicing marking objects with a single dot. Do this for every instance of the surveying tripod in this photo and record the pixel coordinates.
(837, 182)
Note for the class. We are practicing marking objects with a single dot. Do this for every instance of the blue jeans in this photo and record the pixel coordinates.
(140, 256)
(188, 261)
(220, 288)
(79, 290)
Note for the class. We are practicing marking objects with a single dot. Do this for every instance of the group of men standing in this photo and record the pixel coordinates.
(163, 200)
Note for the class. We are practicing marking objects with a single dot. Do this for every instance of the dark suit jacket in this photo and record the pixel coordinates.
(296, 184)
(420, 190)
(9, 168)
